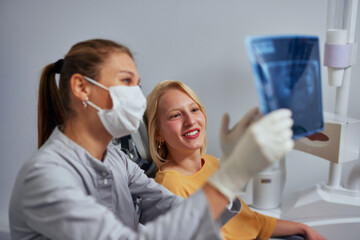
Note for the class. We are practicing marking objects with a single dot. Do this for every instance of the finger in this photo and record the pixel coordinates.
(289, 145)
(275, 137)
(224, 129)
(285, 143)
(274, 127)
(280, 149)
(254, 112)
(287, 134)
(281, 125)
(279, 114)
(257, 116)
(284, 149)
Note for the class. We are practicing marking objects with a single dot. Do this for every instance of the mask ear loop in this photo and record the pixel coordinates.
(86, 102)
(96, 83)
(93, 105)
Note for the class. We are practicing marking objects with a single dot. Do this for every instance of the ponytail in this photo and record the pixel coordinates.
(50, 108)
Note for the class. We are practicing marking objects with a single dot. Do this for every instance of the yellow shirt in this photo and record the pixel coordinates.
(246, 225)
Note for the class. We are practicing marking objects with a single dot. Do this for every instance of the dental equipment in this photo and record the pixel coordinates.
(339, 142)
(339, 55)
(136, 147)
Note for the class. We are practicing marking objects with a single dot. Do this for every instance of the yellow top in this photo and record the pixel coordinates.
(246, 225)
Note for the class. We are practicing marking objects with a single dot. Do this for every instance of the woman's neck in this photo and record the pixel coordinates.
(186, 163)
(93, 140)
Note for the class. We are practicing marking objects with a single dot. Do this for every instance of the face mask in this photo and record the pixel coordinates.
(128, 109)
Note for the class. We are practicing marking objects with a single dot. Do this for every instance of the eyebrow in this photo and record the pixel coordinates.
(126, 71)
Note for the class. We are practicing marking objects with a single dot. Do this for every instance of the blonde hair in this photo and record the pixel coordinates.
(157, 154)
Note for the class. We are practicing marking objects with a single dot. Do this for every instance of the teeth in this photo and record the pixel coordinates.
(192, 133)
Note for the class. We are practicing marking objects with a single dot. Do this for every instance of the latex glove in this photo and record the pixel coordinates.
(229, 138)
(264, 142)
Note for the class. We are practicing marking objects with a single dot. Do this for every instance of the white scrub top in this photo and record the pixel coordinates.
(64, 193)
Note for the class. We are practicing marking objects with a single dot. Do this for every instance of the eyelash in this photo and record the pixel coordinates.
(174, 115)
(127, 80)
(178, 114)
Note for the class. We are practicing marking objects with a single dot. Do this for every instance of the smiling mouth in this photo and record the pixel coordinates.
(192, 133)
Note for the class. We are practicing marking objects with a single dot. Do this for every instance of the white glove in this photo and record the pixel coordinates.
(264, 142)
(229, 138)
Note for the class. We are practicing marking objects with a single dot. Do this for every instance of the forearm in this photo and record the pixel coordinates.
(216, 200)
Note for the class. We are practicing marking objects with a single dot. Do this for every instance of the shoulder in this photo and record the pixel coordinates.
(45, 175)
(172, 181)
(167, 178)
(50, 160)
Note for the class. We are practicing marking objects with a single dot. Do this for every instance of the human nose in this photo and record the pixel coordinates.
(189, 119)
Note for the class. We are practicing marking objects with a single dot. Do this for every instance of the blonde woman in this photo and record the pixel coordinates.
(177, 137)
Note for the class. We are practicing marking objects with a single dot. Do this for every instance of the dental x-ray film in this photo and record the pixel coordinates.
(287, 75)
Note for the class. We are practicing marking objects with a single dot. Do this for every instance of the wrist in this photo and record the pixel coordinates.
(305, 229)
(221, 184)
(230, 179)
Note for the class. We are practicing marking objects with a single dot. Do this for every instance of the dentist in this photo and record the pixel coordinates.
(76, 187)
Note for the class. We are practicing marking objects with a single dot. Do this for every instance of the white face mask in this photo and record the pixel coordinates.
(129, 105)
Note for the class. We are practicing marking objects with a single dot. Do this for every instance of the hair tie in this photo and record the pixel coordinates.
(58, 65)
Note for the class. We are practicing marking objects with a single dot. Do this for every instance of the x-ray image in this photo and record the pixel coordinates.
(287, 75)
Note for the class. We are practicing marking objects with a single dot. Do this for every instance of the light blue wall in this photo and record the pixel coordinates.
(200, 42)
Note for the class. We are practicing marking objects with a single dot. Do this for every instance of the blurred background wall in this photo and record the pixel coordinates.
(199, 42)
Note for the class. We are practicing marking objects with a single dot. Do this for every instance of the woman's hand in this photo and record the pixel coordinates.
(311, 234)
(288, 228)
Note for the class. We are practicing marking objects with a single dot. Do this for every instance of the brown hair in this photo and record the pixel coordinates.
(84, 58)
(157, 154)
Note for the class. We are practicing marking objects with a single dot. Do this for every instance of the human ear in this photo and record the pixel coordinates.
(79, 87)
(160, 139)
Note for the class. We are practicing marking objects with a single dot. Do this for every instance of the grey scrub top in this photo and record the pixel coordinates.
(64, 193)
